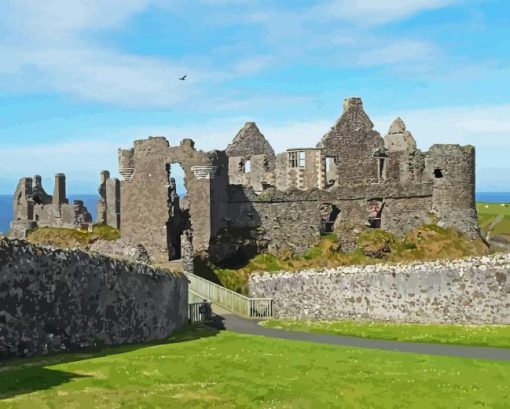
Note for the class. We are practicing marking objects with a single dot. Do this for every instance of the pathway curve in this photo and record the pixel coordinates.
(226, 320)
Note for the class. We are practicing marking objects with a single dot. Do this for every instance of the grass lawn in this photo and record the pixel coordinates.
(201, 368)
(475, 335)
(487, 214)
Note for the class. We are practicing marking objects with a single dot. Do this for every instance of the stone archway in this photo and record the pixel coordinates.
(148, 198)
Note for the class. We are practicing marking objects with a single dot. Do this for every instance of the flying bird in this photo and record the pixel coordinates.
(183, 78)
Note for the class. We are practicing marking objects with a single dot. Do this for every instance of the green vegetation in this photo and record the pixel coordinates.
(201, 368)
(494, 218)
(477, 335)
(70, 238)
(428, 242)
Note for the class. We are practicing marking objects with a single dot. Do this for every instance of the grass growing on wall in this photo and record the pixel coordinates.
(474, 335)
(71, 238)
(201, 368)
(426, 243)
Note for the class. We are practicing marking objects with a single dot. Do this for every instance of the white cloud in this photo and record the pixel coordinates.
(379, 11)
(48, 49)
(253, 64)
(50, 46)
(57, 19)
(397, 52)
(82, 161)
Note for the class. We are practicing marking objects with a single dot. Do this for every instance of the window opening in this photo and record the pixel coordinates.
(381, 171)
(375, 208)
(301, 156)
(329, 213)
(293, 159)
(241, 166)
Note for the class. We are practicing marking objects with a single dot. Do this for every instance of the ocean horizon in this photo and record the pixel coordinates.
(90, 201)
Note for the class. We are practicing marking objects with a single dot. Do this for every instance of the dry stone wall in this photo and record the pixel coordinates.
(54, 300)
(468, 291)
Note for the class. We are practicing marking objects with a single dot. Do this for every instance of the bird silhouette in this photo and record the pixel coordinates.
(183, 78)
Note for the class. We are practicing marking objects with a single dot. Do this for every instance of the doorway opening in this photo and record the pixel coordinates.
(178, 209)
(375, 209)
(328, 213)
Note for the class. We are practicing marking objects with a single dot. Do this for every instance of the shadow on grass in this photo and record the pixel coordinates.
(26, 375)
(33, 379)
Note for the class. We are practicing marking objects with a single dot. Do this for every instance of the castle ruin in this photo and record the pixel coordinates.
(33, 207)
(246, 199)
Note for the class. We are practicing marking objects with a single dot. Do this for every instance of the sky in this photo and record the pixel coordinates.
(81, 78)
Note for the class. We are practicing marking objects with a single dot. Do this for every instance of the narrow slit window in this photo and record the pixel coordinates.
(382, 163)
(247, 166)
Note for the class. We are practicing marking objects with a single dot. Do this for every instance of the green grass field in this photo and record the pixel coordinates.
(201, 368)
(475, 335)
(494, 218)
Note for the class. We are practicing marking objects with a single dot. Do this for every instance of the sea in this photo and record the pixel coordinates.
(90, 201)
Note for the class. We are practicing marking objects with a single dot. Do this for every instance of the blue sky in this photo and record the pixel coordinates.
(80, 78)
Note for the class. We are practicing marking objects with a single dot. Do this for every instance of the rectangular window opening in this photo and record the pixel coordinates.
(293, 159)
(301, 159)
(381, 165)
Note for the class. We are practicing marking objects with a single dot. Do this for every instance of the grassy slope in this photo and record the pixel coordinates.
(69, 238)
(476, 335)
(204, 369)
(429, 242)
(487, 213)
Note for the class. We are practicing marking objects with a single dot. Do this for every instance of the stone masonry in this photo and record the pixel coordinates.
(33, 207)
(246, 199)
(108, 206)
(468, 291)
(55, 300)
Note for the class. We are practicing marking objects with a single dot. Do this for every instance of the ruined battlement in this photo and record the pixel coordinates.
(246, 198)
(33, 207)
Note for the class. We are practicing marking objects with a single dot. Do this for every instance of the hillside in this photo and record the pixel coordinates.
(494, 219)
(428, 242)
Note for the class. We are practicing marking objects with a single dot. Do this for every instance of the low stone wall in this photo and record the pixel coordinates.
(54, 300)
(120, 249)
(469, 291)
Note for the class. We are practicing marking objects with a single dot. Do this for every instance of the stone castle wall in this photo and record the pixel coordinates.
(279, 222)
(468, 291)
(54, 300)
(33, 207)
(146, 207)
(246, 196)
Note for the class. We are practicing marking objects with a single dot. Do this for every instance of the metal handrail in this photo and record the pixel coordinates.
(230, 300)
